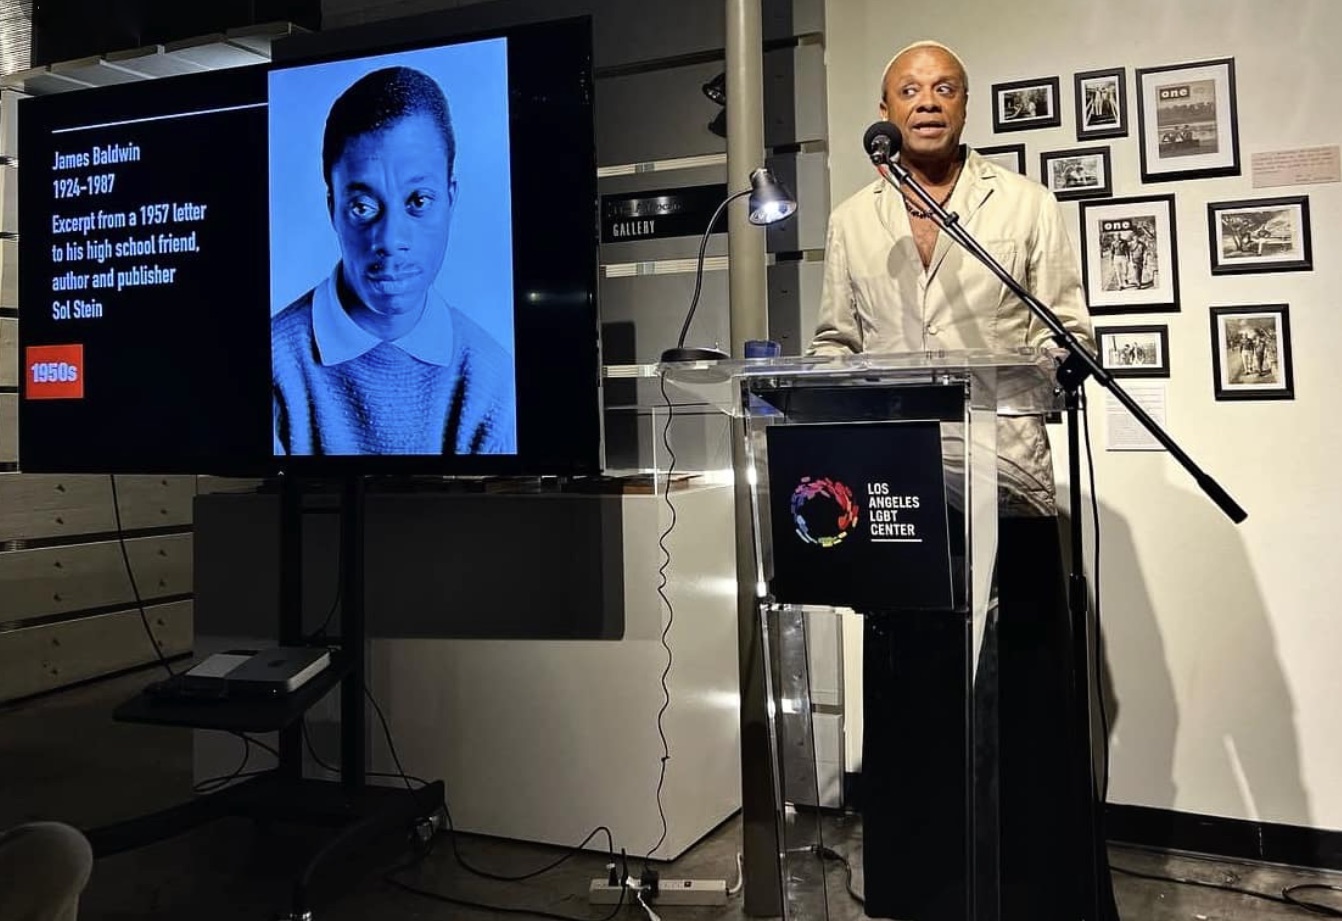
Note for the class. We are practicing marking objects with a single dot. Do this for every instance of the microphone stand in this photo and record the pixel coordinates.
(1072, 374)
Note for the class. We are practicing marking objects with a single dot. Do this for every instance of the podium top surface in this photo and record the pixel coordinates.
(829, 365)
(1023, 379)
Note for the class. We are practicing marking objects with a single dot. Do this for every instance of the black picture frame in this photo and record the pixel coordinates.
(1259, 235)
(1134, 351)
(1251, 352)
(1082, 172)
(1115, 282)
(1188, 121)
(1101, 99)
(1014, 101)
(1000, 153)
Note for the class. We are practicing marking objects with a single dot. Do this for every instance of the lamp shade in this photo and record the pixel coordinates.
(770, 200)
(716, 89)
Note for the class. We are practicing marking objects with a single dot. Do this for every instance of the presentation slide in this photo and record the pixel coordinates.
(144, 234)
(351, 263)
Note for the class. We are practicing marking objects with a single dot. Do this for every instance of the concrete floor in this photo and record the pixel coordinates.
(62, 757)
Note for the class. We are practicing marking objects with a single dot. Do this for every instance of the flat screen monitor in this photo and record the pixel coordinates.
(377, 262)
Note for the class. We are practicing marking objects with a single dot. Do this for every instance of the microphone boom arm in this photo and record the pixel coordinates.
(1080, 361)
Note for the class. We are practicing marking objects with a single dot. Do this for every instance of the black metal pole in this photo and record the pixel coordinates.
(1086, 795)
(291, 607)
(352, 711)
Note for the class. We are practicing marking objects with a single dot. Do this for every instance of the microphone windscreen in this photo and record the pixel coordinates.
(882, 129)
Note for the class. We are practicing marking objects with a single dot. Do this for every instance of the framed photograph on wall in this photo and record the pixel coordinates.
(1075, 174)
(1260, 235)
(1101, 104)
(1251, 353)
(1187, 121)
(1129, 254)
(1026, 104)
(1134, 351)
(1007, 156)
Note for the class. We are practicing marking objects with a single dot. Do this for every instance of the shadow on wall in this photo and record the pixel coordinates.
(1223, 721)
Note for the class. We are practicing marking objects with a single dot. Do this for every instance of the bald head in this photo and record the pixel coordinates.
(926, 44)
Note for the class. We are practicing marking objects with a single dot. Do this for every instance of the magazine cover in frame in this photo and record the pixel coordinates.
(1129, 254)
(1187, 119)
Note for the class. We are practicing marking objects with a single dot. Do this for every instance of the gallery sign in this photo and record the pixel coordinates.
(660, 213)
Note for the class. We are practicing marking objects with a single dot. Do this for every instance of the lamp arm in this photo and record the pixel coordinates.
(699, 270)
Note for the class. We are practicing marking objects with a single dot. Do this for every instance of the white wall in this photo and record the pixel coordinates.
(1222, 641)
(545, 740)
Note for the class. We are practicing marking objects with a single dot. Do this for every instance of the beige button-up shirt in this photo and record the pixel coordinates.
(878, 297)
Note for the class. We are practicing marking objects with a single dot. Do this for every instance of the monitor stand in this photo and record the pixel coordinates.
(361, 814)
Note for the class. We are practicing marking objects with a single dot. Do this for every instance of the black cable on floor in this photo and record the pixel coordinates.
(390, 877)
(307, 741)
(210, 784)
(1288, 894)
(134, 586)
(828, 853)
(396, 758)
(1286, 898)
(447, 813)
(391, 880)
(505, 878)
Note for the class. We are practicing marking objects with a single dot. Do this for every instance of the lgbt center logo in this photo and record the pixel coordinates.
(823, 511)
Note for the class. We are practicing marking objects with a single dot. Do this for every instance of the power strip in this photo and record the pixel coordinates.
(669, 892)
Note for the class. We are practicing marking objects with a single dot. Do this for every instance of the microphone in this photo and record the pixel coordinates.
(881, 142)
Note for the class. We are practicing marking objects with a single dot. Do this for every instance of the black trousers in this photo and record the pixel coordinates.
(915, 749)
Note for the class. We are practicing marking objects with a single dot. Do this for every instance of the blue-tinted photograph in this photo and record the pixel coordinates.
(391, 255)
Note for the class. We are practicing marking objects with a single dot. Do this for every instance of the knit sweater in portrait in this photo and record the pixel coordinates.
(386, 401)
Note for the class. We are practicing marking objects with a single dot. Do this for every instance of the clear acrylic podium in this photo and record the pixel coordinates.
(874, 486)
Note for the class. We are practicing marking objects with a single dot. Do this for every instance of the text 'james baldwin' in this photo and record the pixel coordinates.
(98, 155)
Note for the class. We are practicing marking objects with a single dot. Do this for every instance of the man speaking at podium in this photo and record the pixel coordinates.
(895, 283)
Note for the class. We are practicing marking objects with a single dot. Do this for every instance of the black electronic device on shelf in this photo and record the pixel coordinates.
(362, 812)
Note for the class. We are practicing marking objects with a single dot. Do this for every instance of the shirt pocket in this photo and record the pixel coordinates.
(1006, 252)
(1010, 317)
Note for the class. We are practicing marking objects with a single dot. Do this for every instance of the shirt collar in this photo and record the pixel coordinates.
(975, 185)
(340, 339)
